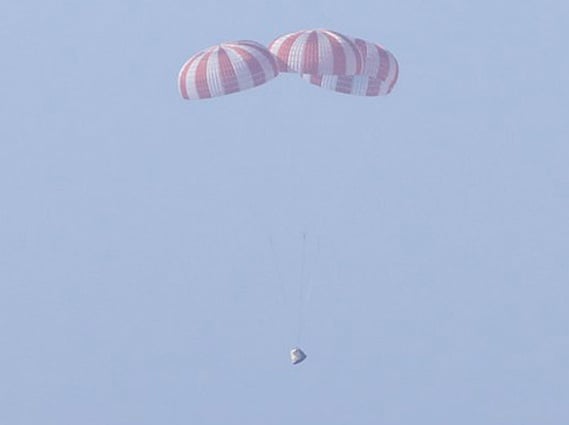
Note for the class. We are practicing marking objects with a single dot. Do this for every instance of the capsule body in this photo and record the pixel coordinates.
(297, 355)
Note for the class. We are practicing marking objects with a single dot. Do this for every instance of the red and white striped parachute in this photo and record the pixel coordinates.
(325, 58)
(378, 61)
(317, 51)
(226, 68)
(380, 72)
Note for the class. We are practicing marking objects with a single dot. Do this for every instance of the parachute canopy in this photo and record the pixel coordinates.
(297, 355)
(322, 57)
(226, 68)
(317, 51)
(378, 76)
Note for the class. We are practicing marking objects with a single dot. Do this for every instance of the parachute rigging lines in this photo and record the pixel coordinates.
(301, 285)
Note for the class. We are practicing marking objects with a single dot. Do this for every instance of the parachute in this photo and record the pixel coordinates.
(317, 51)
(379, 73)
(322, 57)
(226, 68)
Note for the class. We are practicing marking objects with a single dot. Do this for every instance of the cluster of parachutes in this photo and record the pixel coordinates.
(322, 57)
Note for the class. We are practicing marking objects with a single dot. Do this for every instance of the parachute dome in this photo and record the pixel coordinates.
(379, 73)
(317, 51)
(226, 68)
(322, 57)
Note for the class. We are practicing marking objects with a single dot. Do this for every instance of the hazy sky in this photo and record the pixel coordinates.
(137, 280)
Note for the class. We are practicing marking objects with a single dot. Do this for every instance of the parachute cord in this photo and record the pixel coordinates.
(301, 289)
(309, 279)
(307, 285)
(281, 312)
(278, 272)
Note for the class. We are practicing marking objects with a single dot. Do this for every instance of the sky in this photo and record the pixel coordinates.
(152, 249)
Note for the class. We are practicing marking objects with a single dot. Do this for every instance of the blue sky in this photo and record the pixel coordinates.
(137, 280)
